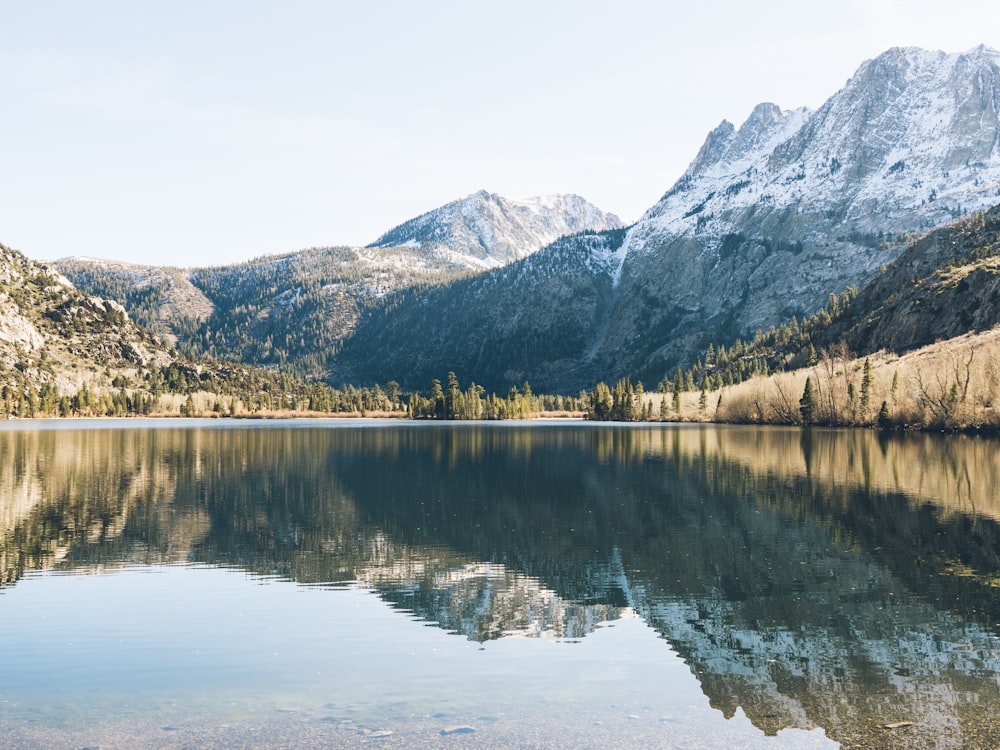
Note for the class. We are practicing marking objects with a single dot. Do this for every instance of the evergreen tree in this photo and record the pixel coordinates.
(866, 388)
(806, 403)
(437, 399)
(452, 397)
(678, 384)
(884, 420)
(601, 403)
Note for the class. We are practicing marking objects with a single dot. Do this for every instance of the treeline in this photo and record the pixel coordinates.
(621, 403)
(787, 346)
(46, 401)
(223, 389)
(211, 389)
(450, 401)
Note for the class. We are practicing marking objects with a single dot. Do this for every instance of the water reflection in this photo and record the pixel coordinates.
(835, 579)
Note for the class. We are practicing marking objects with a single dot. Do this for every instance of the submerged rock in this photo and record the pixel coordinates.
(458, 729)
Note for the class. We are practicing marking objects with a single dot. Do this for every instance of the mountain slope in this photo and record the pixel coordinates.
(755, 232)
(563, 293)
(55, 337)
(160, 299)
(492, 230)
(767, 222)
(943, 286)
(292, 311)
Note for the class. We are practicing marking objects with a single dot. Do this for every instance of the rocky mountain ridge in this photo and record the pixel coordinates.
(292, 311)
(491, 230)
(769, 220)
(773, 217)
(943, 286)
(54, 335)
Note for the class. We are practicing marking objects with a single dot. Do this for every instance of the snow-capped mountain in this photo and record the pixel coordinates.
(296, 308)
(772, 217)
(769, 219)
(493, 231)
(911, 141)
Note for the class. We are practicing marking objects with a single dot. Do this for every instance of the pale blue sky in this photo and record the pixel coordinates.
(194, 133)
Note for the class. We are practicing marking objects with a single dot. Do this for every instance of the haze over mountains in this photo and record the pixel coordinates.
(768, 220)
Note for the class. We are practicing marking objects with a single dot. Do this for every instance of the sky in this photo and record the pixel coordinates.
(211, 132)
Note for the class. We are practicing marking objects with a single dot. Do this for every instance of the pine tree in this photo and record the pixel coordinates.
(437, 399)
(806, 403)
(451, 397)
(600, 402)
(678, 381)
(866, 388)
(884, 420)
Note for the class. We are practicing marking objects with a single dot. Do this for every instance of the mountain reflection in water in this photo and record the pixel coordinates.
(811, 578)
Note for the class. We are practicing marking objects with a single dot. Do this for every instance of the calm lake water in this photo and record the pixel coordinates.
(388, 584)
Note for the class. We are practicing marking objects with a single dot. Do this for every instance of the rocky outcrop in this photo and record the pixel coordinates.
(53, 334)
(945, 285)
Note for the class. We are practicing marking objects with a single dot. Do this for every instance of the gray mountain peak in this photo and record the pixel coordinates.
(491, 230)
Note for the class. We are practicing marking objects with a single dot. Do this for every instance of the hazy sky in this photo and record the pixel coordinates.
(195, 133)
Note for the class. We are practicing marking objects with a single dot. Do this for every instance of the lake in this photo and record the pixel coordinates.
(389, 584)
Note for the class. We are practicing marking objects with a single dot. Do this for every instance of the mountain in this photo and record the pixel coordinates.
(943, 286)
(768, 220)
(57, 339)
(160, 299)
(64, 352)
(492, 230)
(532, 320)
(292, 311)
(287, 310)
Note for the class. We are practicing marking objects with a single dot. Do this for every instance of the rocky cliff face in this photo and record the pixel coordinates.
(491, 230)
(769, 219)
(772, 217)
(944, 285)
(53, 334)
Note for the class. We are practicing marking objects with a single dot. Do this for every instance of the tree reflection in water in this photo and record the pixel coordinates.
(812, 578)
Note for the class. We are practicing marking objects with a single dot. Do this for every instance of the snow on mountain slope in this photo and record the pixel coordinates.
(492, 230)
(769, 220)
(772, 217)
(911, 141)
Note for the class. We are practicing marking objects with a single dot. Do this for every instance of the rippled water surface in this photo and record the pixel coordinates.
(391, 584)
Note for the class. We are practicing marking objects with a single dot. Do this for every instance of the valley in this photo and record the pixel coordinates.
(740, 257)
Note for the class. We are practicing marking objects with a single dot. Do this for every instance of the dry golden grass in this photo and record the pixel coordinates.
(949, 385)
(959, 475)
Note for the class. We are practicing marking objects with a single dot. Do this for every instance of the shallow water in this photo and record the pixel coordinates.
(542, 585)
